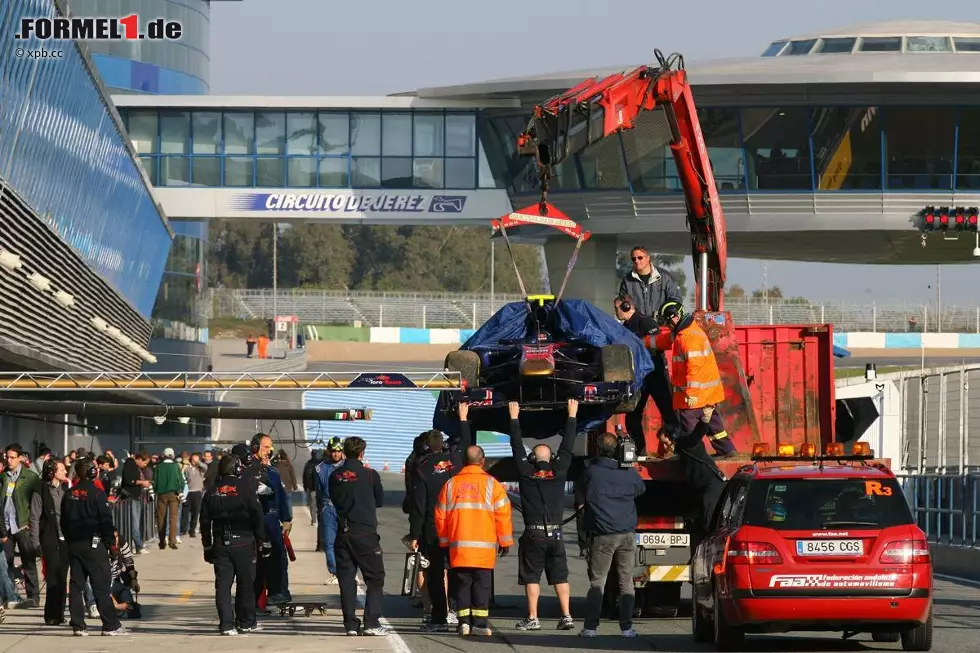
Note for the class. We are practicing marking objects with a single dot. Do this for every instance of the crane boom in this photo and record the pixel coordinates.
(598, 108)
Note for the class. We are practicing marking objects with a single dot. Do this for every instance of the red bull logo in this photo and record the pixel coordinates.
(442, 467)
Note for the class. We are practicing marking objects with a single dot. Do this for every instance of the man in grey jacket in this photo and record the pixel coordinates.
(647, 288)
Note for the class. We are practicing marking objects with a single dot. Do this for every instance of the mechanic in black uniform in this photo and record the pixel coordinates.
(541, 478)
(656, 384)
(86, 523)
(357, 494)
(434, 470)
(232, 532)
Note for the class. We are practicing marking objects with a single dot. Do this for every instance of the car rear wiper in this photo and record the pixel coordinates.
(838, 524)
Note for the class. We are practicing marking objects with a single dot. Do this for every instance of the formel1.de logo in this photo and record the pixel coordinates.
(98, 29)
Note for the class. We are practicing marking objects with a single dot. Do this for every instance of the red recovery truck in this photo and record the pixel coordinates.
(779, 381)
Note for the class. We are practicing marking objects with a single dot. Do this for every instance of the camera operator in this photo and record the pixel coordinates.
(541, 478)
(655, 384)
(610, 493)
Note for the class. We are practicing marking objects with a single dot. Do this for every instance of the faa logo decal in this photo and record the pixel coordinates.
(347, 203)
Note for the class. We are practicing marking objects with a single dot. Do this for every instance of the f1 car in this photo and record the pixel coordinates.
(544, 351)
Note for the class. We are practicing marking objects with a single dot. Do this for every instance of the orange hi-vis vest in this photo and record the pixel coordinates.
(693, 368)
(473, 518)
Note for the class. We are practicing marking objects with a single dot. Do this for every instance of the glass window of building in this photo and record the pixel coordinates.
(774, 48)
(460, 134)
(334, 173)
(143, 130)
(396, 133)
(430, 135)
(206, 170)
(396, 172)
(239, 132)
(928, 44)
(836, 46)
(461, 173)
(206, 132)
(966, 44)
(301, 130)
(365, 172)
(847, 148)
(603, 166)
(968, 152)
(270, 133)
(270, 172)
(334, 133)
(777, 147)
(427, 173)
(175, 171)
(800, 47)
(150, 165)
(301, 171)
(648, 159)
(721, 135)
(239, 171)
(919, 147)
(365, 134)
(881, 44)
(175, 132)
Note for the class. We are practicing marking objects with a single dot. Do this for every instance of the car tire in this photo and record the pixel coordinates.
(727, 638)
(702, 628)
(886, 637)
(918, 638)
(467, 363)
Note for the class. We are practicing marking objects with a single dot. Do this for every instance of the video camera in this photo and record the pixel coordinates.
(625, 448)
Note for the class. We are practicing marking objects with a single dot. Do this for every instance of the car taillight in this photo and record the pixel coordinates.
(754, 553)
(905, 552)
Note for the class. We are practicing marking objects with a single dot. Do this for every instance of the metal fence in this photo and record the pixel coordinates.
(946, 507)
(123, 520)
(469, 311)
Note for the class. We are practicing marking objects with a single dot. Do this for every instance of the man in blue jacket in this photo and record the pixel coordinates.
(609, 493)
(328, 514)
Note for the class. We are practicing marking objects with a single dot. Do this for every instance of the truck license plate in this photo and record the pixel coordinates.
(662, 540)
(830, 547)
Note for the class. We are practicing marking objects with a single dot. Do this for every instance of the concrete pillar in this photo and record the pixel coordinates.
(594, 278)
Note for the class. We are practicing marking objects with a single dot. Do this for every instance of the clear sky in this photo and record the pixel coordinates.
(321, 47)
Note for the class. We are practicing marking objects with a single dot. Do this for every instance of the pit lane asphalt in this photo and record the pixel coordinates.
(957, 610)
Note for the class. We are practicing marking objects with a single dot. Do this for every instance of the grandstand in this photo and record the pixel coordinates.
(469, 311)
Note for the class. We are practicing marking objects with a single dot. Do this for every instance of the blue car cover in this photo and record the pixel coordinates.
(577, 319)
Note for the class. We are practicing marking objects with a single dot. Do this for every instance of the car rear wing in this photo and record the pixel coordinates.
(546, 215)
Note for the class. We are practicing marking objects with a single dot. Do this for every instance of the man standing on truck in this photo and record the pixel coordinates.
(641, 294)
(541, 478)
(609, 493)
(694, 375)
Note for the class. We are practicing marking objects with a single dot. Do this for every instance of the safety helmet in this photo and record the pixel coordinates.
(668, 310)
(776, 511)
(335, 444)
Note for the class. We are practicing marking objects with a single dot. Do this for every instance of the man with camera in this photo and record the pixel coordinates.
(541, 478)
(609, 491)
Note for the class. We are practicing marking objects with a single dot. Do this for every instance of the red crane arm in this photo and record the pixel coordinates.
(599, 108)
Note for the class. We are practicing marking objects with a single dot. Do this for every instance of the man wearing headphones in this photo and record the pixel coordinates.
(271, 573)
(328, 513)
(86, 523)
(54, 551)
(233, 533)
(541, 478)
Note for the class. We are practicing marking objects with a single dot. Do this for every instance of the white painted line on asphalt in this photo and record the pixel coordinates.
(398, 644)
(957, 579)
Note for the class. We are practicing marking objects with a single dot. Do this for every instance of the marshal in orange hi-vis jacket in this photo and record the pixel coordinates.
(693, 370)
(473, 518)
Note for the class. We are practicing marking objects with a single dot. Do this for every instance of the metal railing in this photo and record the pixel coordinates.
(122, 518)
(946, 507)
(469, 311)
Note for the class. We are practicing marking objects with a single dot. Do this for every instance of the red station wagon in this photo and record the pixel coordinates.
(807, 543)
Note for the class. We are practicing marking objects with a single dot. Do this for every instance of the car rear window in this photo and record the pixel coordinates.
(818, 504)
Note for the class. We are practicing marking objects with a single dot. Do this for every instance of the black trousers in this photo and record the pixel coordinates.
(235, 564)
(92, 565)
(702, 476)
(28, 562)
(271, 573)
(473, 590)
(55, 556)
(360, 550)
(656, 385)
(191, 512)
(435, 581)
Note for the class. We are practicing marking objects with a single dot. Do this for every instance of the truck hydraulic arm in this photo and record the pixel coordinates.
(599, 108)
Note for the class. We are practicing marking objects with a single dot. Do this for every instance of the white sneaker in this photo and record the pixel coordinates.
(142, 550)
(118, 632)
(380, 631)
(331, 580)
(464, 630)
(451, 618)
(93, 612)
(629, 632)
(229, 633)
(588, 632)
(179, 541)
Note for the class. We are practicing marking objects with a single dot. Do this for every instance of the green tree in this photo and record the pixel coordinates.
(735, 292)
(772, 293)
